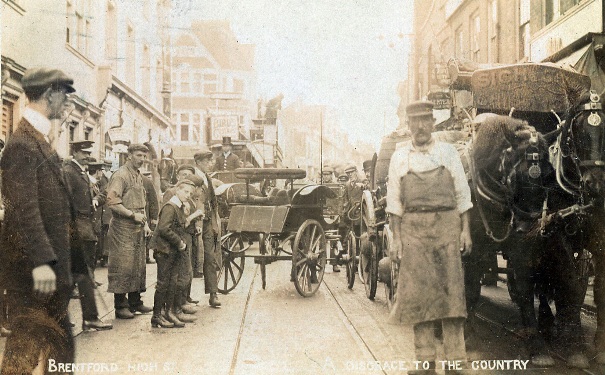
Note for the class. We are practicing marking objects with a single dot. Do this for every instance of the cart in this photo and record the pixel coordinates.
(290, 225)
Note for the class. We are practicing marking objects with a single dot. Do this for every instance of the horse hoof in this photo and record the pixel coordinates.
(600, 358)
(542, 360)
(578, 361)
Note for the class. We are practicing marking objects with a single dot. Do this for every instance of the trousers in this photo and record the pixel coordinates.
(453, 339)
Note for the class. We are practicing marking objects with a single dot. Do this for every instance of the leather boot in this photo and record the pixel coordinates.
(172, 318)
(158, 320)
(214, 302)
(185, 318)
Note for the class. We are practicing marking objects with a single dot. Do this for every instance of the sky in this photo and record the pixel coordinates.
(348, 54)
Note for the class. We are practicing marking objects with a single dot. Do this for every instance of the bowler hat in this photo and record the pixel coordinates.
(227, 141)
(367, 165)
(186, 167)
(37, 79)
(350, 168)
(137, 147)
(419, 108)
(85, 146)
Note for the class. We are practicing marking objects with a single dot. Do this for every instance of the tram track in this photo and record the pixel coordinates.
(242, 326)
(351, 325)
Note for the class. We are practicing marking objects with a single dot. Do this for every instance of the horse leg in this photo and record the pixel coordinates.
(524, 273)
(546, 319)
(569, 297)
(598, 259)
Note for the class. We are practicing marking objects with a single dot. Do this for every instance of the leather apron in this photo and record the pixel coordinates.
(126, 245)
(431, 279)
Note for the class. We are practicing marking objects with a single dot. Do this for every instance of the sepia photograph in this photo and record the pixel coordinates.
(302, 187)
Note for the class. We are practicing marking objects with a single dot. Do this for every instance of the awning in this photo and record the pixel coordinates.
(589, 65)
(572, 59)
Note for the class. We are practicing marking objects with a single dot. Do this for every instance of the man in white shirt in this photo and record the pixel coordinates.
(428, 201)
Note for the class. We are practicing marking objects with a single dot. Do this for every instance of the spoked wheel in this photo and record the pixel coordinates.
(351, 244)
(391, 287)
(368, 249)
(264, 244)
(309, 257)
(232, 267)
(368, 265)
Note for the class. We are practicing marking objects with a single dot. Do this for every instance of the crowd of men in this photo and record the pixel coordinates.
(56, 225)
(61, 217)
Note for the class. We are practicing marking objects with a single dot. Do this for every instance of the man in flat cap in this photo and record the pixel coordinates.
(83, 237)
(210, 227)
(35, 257)
(127, 199)
(227, 160)
(351, 199)
(428, 201)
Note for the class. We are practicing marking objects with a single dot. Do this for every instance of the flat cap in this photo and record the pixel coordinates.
(367, 165)
(343, 178)
(328, 170)
(201, 155)
(419, 108)
(216, 146)
(43, 78)
(350, 168)
(145, 173)
(137, 147)
(186, 167)
(197, 180)
(85, 146)
(108, 162)
(185, 181)
(95, 166)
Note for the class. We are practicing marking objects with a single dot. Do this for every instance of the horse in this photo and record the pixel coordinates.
(579, 155)
(515, 185)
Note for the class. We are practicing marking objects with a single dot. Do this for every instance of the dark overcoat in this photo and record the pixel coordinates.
(37, 216)
(231, 163)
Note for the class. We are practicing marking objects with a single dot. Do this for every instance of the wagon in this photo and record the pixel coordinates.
(290, 224)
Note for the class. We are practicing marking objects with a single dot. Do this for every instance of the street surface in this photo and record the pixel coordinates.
(276, 331)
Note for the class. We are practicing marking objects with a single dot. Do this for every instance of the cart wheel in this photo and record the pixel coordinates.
(391, 287)
(351, 244)
(232, 266)
(368, 265)
(309, 257)
(263, 243)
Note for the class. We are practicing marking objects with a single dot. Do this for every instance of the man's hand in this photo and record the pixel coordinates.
(139, 218)
(182, 246)
(395, 251)
(95, 204)
(45, 280)
(148, 231)
(466, 243)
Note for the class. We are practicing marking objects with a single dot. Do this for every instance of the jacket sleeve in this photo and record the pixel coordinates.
(20, 190)
(165, 228)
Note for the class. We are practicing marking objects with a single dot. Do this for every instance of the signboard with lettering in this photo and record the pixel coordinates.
(528, 87)
(440, 99)
(224, 126)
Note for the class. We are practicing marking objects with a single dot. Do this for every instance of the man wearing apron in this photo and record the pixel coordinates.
(428, 201)
(126, 236)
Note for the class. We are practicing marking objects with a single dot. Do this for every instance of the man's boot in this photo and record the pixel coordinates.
(158, 319)
(214, 302)
(179, 300)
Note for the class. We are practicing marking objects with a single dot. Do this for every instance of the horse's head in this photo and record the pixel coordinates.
(585, 135)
